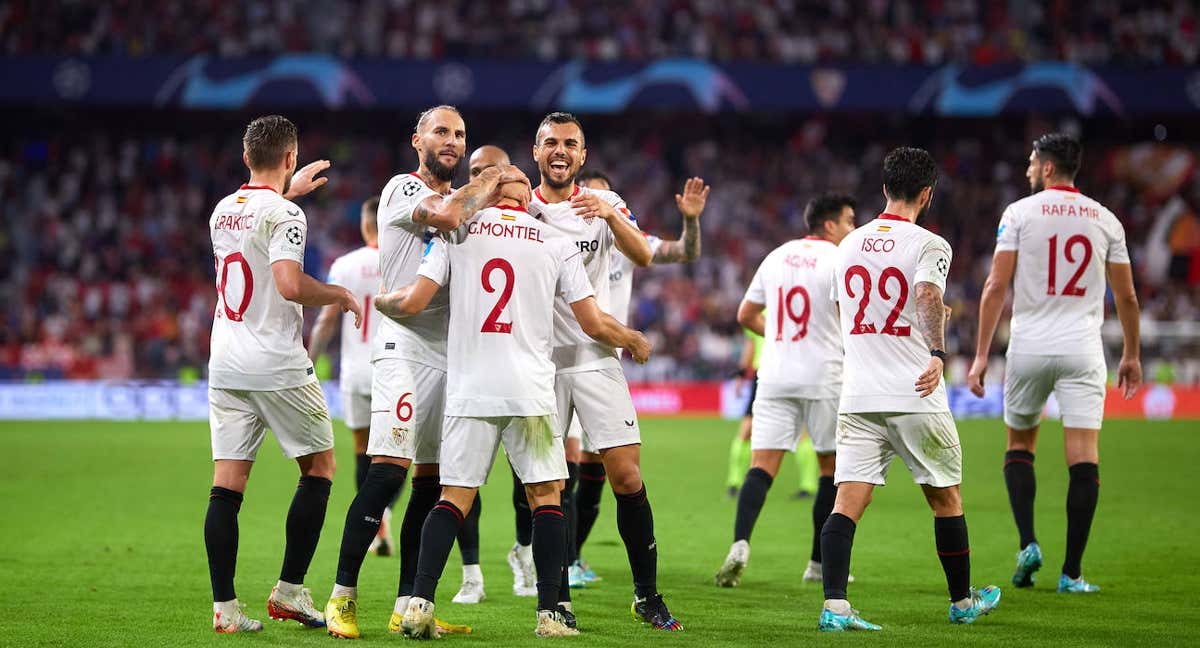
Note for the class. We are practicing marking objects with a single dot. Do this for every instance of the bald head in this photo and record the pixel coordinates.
(487, 156)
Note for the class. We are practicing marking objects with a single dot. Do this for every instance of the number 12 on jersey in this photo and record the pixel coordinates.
(1071, 289)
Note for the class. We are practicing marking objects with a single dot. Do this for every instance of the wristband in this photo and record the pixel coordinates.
(938, 353)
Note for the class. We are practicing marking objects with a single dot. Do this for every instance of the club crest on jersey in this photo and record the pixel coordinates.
(399, 434)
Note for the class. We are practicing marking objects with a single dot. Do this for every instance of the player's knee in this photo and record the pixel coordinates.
(543, 493)
(945, 502)
(626, 480)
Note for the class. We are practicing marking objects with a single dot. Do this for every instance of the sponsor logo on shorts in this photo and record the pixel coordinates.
(629, 423)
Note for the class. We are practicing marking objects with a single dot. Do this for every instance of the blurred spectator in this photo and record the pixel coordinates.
(785, 31)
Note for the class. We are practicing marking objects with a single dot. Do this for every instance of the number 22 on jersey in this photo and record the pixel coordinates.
(862, 327)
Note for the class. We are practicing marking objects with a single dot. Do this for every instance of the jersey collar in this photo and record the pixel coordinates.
(887, 216)
(250, 186)
(1064, 188)
(513, 208)
(538, 192)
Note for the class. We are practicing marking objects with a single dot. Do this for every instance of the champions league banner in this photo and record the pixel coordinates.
(321, 82)
(173, 401)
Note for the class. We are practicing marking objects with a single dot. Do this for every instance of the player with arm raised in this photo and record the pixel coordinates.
(586, 468)
(258, 373)
(800, 377)
(589, 382)
(358, 272)
(888, 280)
(505, 270)
(1067, 244)
(409, 360)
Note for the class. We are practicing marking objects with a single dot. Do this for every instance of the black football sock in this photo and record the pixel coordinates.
(635, 523)
(437, 538)
(1082, 495)
(468, 534)
(362, 463)
(750, 502)
(587, 501)
(221, 540)
(822, 507)
(549, 553)
(837, 539)
(570, 513)
(383, 481)
(1022, 489)
(953, 549)
(304, 521)
(425, 493)
(522, 514)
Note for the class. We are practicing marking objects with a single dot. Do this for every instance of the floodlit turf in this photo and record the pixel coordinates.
(103, 545)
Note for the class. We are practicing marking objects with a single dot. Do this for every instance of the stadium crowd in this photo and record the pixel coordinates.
(787, 31)
(106, 266)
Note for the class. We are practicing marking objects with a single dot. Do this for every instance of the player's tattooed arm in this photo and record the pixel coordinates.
(448, 213)
(604, 328)
(691, 204)
(407, 301)
(931, 320)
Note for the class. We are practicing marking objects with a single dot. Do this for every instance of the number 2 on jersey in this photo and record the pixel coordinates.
(493, 324)
(889, 325)
(784, 305)
(1071, 289)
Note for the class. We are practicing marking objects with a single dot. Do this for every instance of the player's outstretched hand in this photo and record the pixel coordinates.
(349, 303)
(589, 205)
(1129, 376)
(695, 195)
(976, 374)
(639, 348)
(305, 180)
(929, 379)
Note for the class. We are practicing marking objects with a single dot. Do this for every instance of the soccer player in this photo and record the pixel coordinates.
(589, 381)
(1067, 244)
(259, 375)
(585, 467)
(505, 271)
(358, 272)
(800, 377)
(888, 280)
(409, 359)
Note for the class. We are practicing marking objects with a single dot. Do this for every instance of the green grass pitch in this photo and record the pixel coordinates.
(103, 545)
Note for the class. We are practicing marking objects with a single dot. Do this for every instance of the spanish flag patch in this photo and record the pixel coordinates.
(241, 199)
(508, 217)
(884, 228)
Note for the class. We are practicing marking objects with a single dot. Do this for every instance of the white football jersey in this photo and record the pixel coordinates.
(358, 272)
(620, 280)
(876, 269)
(1063, 241)
(421, 338)
(573, 350)
(505, 271)
(802, 348)
(256, 334)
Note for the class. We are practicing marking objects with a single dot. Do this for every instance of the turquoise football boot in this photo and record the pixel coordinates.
(982, 602)
(833, 622)
(1029, 560)
(1068, 585)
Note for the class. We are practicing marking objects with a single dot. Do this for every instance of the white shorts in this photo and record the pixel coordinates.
(778, 423)
(927, 443)
(356, 409)
(469, 449)
(1078, 382)
(299, 418)
(601, 401)
(407, 403)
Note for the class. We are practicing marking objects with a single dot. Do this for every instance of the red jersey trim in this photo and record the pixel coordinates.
(512, 208)
(250, 186)
(538, 192)
(887, 216)
(1064, 188)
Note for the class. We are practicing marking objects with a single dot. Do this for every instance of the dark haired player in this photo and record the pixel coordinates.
(1067, 244)
(800, 377)
(888, 280)
(259, 373)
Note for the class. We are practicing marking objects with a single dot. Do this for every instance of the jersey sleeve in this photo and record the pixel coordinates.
(654, 242)
(1008, 232)
(399, 199)
(757, 292)
(435, 264)
(289, 230)
(933, 263)
(336, 272)
(573, 283)
(1117, 251)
